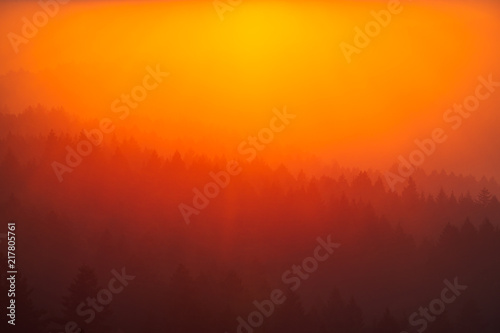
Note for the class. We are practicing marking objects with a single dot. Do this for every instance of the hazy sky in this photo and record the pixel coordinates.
(227, 75)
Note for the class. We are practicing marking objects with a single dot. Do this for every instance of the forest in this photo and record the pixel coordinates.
(107, 249)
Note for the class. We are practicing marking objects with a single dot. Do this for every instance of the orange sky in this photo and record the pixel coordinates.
(226, 76)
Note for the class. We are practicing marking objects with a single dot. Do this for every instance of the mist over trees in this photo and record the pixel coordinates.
(120, 208)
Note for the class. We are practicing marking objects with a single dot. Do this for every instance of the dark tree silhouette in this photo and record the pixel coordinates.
(387, 323)
(484, 197)
(83, 287)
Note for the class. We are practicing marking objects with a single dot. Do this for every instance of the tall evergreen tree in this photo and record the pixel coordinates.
(387, 324)
(83, 287)
(182, 310)
(484, 197)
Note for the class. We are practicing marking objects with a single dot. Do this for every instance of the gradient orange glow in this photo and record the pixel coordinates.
(226, 76)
